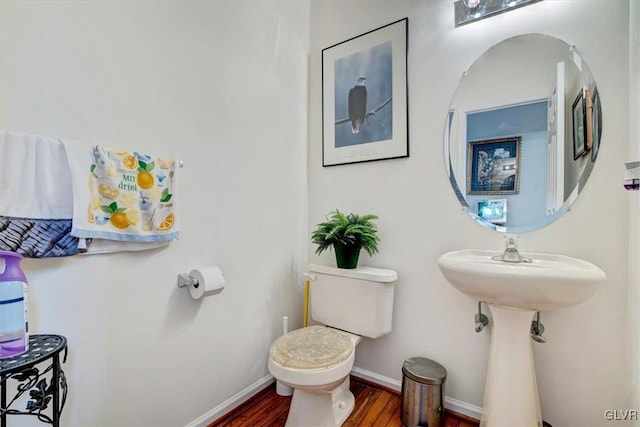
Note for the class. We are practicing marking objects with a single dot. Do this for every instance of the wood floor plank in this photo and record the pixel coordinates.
(374, 407)
(451, 422)
(363, 403)
(356, 387)
(282, 419)
(464, 421)
(264, 409)
(390, 416)
(378, 403)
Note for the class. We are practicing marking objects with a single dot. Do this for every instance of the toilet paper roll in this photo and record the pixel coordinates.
(210, 282)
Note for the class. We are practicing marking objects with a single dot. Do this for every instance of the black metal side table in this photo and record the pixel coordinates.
(22, 368)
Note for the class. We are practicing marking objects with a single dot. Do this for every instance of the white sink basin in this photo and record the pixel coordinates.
(548, 283)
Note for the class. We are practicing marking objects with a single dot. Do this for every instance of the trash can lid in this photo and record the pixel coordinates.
(424, 371)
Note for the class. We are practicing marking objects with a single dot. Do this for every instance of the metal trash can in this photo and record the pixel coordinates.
(423, 392)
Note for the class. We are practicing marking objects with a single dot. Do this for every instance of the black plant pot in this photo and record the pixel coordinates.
(346, 256)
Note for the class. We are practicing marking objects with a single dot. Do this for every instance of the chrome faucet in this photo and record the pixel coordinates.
(511, 253)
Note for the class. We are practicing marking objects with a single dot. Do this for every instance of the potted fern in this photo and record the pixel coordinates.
(347, 234)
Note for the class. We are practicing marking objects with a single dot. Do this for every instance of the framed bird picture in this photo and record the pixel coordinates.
(365, 97)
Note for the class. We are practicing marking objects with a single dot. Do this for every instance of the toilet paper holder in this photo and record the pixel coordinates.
(184, 280)
(202, 282)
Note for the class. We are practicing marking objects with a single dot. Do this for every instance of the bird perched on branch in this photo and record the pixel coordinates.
(358, 104)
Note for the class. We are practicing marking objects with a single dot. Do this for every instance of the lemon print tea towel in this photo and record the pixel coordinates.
(131, 197)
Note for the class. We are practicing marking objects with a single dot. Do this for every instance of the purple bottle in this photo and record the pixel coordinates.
(14, 326)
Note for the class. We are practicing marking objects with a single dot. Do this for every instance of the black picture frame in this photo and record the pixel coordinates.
(493, 166)
(579, 120)
(374, 126)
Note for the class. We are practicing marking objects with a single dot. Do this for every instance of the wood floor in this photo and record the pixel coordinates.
(375, 407)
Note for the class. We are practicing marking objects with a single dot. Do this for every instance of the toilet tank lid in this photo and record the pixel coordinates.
(371, 274)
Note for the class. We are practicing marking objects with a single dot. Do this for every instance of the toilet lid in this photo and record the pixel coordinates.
(312, 347)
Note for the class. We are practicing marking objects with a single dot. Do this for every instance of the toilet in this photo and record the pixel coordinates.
(316, 361)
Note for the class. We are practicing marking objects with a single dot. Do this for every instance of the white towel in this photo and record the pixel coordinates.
(103, 246)
(130, 197)
(34, 177)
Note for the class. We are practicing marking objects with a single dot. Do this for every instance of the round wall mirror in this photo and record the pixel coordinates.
(522, 133)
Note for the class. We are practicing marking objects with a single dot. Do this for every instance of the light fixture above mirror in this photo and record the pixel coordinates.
(467, 11)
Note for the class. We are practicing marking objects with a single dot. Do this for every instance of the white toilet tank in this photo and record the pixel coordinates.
(358, 300)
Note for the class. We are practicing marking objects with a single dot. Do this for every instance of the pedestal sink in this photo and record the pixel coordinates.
(514, 292)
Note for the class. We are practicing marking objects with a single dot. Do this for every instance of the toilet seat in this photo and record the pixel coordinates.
(312, 348)
(316, 355)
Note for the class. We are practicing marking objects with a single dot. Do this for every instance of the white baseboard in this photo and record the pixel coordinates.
(463, 408)
(450, 403)
(377, 378)
(232, 403)
(250, 391)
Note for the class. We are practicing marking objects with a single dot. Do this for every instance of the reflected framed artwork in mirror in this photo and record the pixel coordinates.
(578, 110)
(494, 166)
(364, 97)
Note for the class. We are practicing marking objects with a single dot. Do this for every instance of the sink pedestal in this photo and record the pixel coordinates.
(514, 292)
(511, 392)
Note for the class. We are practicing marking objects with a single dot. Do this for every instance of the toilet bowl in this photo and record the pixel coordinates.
(316, 361)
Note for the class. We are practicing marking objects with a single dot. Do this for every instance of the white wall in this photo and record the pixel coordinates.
(634, 206)
(222, 86)
(583, 369)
